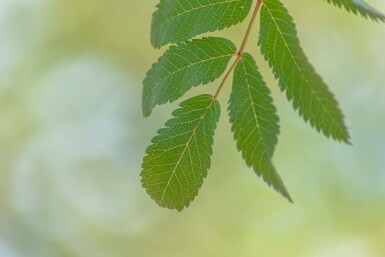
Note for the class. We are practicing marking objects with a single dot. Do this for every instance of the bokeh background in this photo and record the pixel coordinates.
(72, 138)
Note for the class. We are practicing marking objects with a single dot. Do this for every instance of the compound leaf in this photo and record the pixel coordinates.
(280, 47)
(255, 122)
(184, 66)
(179, 157)
(178, 20)
(359, 7)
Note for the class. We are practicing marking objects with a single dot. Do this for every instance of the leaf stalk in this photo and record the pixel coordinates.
(241, 49)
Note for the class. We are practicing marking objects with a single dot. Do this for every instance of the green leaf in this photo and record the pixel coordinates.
(280, 47)
(179, 157)
(255, 122)
(178, 20)
(359, 7)
(184, 66)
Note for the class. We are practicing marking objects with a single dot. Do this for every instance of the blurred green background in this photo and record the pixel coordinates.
(72, 139)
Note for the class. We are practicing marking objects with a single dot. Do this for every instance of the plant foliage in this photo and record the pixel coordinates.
(254, 121)
(184, 66)
(359, 7)
(281, 48)
(178, 20)
(178, 159)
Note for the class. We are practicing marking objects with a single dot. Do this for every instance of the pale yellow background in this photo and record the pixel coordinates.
(72, 139)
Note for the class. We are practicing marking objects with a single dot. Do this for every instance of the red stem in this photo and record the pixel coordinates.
(241, 49)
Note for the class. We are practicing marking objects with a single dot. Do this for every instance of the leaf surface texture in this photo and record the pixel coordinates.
(178, 20)
(255, 122)
(184, 66)
(179, 157)
(304, 87)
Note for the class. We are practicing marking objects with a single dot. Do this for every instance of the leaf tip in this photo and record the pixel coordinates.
(288, 197)
(146, 112)
(147, 105)
(348, 141)
(283, 191)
